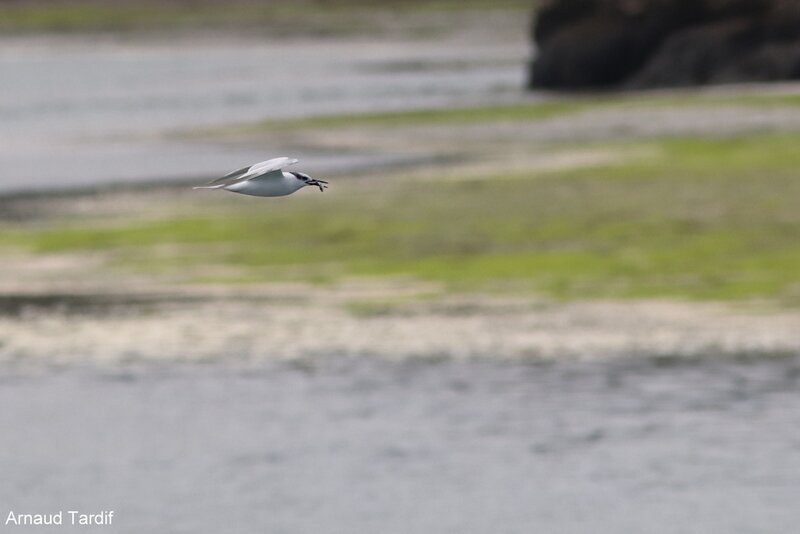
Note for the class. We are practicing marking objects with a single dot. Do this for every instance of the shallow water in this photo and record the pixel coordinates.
(360, 445)
(76, 111)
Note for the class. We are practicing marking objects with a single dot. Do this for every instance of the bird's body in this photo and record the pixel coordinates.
(276, 186)
(265, 179)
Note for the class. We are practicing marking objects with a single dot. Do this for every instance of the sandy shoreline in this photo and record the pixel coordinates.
(372, 320)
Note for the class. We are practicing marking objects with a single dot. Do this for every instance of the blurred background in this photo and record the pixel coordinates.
(553, 286)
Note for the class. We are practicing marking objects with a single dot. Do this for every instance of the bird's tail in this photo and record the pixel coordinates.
(209, 186)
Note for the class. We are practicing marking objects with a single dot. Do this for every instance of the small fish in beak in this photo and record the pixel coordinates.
(322, 184)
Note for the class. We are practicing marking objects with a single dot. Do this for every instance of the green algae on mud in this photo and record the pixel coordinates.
(284, 17)
(696, 218)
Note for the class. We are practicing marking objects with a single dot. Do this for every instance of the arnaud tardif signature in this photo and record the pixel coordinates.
(62, 517)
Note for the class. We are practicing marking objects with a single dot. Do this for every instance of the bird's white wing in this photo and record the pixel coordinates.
(246, 173)
(274, 164)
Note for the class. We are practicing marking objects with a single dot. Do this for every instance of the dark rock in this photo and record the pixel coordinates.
(651, 43)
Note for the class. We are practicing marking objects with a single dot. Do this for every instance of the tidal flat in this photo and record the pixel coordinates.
(672, 246)
(683, 217)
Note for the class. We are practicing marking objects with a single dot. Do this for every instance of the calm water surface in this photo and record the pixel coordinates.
(78, 111)
(371, 446)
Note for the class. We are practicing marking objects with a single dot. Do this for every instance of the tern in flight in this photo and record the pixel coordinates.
(265, 179)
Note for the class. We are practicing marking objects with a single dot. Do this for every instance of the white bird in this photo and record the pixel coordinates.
(265, 179)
